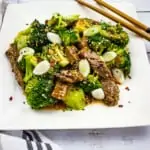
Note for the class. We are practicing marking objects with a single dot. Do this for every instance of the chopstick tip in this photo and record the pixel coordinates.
(148, 30)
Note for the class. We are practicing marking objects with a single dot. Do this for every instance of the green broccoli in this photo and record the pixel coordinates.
(22, 38)
(22, 64)
(59, 55)
(59, 22)
(98, 43)
(75, 98)
(90, 84)
(30, 62)
(38, 92)
(114, 33)
(122, 61)
(69, 37)
(35, 36)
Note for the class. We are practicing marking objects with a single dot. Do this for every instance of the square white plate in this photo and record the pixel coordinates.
(16, 115)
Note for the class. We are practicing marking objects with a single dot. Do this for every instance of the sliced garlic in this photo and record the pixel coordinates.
(109, 56)
(84, 67)
(41, 68)
(98, 94)
(92, 30)
(25, 51)
(53, 37)
(118, 75)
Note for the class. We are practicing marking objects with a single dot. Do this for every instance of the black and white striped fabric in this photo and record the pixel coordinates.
(29, 140)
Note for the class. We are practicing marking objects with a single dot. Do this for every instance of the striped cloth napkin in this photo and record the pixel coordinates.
(28, 140)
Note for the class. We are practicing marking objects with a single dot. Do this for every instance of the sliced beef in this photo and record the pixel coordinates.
(111, 91)
(70, 76)
(71, 52)
(97, 65)
(83, 43)
(60, 91)
(12, 54)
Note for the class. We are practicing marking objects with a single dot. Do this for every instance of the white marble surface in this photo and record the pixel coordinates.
(107, 139)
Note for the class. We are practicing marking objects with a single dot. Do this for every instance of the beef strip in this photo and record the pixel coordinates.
(12, 54)
(97, 65)
(83, 43)
(110, 88)
(71, 52)
(70, 76)
(59, 91)
(111, 91)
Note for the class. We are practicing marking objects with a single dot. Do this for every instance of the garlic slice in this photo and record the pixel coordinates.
(84, 67)
(98, 94)
(41, 68)
(53, 37)
(118, 75)
(25, 51)
(109, 56)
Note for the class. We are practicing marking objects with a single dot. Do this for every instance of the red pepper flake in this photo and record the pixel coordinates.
(120, 106)
(127, 88)
(10, 98)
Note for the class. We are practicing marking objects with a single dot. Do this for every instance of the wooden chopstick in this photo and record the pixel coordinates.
(124, 15)
(126, 24)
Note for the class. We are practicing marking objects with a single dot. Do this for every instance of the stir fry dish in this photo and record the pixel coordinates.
(70, 61)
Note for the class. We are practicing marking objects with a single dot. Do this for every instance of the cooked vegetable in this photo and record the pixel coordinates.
(91, 83)
(118, 74)
(57, 62)
(92, 30)
(98, 43)
(75, 98)
(83, 24)
(30, 62)
(58, 22)
(59, 55)
(53, 37)
(41, 67)
(25, 51)
(84, 67)
(98, 94)
(122, 61)
(114, 33)
(69, 37)
(38, 93)
(34, 36)
(109, 56)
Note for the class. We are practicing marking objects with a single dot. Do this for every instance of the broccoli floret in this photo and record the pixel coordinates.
(59, 55)
(75, 98)
(69, 37)
(98, 43)
(122, 61)
(90, 84)
(22, 38)
(22, 64)
(38, 92)
(58, 22)
(35, 36)
(30, 62)
(114, 33)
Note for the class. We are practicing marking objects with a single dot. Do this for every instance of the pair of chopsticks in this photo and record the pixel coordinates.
(130, 23)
